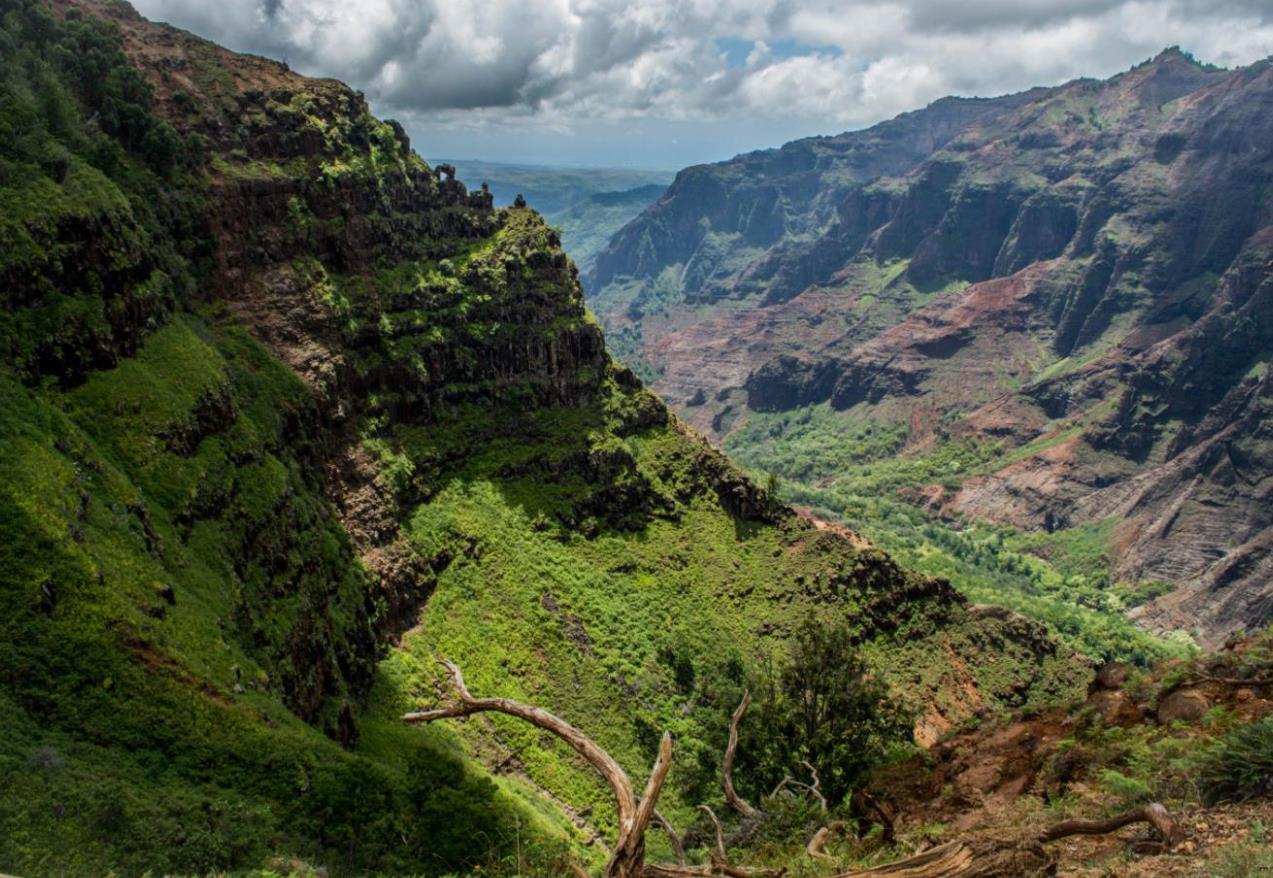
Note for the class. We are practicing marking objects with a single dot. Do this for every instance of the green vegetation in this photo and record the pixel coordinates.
(854, 469)
(1250, 859)
(222, 580)
(588, 224)
(1239, 766)
(145, 726)
(176, 594)
(822, 707)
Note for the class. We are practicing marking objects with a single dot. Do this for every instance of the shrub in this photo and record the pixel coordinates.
(1129, 790)
(1239, 766)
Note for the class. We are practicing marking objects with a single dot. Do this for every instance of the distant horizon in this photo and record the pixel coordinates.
(513, 163)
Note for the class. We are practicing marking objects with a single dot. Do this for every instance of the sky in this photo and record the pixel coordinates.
(669, 83)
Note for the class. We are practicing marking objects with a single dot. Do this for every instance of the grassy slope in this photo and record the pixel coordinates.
(178, 593)
(136, 742)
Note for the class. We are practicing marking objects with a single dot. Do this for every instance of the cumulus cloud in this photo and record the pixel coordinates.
(562, 64)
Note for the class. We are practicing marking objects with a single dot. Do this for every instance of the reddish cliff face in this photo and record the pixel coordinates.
(1086, 267)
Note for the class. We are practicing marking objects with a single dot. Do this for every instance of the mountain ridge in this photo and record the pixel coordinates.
(967, 298)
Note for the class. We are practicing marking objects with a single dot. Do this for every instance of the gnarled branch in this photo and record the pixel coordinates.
(719, 853)
(603, 762)
(674, 839)
(727, 766)
(991, 859)
(816, 789)
(634, 814)
(1154, 814)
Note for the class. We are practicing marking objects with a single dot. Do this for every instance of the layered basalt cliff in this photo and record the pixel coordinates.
(1087, 263)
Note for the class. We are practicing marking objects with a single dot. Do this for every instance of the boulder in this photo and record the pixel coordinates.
(1112, 676)
(1184, 705)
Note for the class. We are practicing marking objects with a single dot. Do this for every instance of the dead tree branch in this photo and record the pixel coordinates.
(1154, 814)
(816, 789)
(675, 840)
(950, 859)
(628, 858)
(727, 766)
(989, 859)
(719, 853)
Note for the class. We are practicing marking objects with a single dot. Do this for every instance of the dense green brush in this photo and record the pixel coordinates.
(1239, 766)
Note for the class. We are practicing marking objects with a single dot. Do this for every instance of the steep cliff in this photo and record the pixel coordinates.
(1072, 285)
(286, 416)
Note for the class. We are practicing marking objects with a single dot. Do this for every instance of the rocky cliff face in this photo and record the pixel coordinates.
(1084, 267)
(287, 414)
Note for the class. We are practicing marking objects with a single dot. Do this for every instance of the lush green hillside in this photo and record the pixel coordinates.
(285, 417)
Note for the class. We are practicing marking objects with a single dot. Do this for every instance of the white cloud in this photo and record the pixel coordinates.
(560, 64)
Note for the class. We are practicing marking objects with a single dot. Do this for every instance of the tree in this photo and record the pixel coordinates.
(824, 708)
(773, 484)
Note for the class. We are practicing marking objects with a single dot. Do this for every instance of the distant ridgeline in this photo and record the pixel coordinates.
(284, 417)
(1046, 318)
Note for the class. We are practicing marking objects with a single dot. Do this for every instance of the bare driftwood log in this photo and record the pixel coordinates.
(628, 858)
(727, 766)
(995, 859)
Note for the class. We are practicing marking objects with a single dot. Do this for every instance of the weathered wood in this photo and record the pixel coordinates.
(599, 759)
(628, 857)
(950, 859)
(1154, 814)
(718, 855)
(673, 838)
(817, 846)
(816, 788)
(727, 765)
(1016, 859)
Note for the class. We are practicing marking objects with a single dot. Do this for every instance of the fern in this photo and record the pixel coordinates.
(1239, 766)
